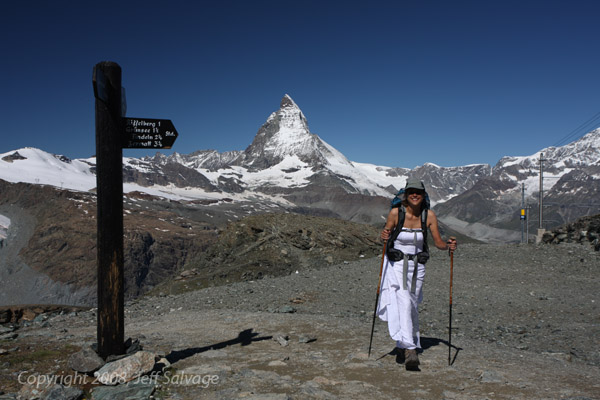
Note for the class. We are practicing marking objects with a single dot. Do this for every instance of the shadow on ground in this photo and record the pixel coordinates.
(244, 338)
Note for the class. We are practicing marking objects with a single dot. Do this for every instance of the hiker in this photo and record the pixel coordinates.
(401, 287)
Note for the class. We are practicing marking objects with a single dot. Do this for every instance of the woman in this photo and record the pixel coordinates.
(401, 287)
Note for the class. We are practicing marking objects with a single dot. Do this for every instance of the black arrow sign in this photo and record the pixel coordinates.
(147, 133)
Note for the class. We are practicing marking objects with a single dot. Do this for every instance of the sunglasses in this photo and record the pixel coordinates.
(415, 191)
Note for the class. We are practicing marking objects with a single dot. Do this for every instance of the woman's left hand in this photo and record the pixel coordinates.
(452, 244)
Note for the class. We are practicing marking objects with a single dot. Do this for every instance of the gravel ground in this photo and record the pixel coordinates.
(526, 326)
(537, 298)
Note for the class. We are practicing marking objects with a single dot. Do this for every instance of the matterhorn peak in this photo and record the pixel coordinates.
(287, 101)
(285, 135)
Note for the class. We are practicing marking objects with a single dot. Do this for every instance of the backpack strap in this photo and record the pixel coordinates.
(424, 228)
(398, 228)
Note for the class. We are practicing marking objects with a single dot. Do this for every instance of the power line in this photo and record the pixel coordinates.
(594, 121)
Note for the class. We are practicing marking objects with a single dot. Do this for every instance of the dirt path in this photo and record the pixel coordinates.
(335, 365)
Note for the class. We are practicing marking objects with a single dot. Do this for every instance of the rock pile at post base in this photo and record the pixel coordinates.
(585, 231)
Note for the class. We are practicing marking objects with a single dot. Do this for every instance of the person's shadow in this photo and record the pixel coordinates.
(244, 338)
(426, 343)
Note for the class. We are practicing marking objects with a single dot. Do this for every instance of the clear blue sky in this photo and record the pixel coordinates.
(391, 83)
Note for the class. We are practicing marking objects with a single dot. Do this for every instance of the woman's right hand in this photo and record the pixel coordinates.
(385, 234)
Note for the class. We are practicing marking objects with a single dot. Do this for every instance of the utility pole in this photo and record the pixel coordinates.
(541, 202)
(541, 225)
(523, 216)
(527, 207)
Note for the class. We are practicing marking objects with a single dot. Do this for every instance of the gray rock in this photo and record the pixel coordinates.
(31, 390)
(282, 339)
(286, 309)
(306, 339)
(85, 361)
(126, 369)
(313, 391)
(269, 396)
(60, 392)
(578, 398)
(6, 329)
(491, 377)
(40, 318)
(132, 346)
(558, 355)
(123, 392)
(9, 336)
(277, 363)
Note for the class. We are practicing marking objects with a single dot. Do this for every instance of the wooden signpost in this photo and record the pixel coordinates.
(113, 133)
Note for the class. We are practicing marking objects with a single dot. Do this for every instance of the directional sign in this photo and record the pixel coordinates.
(146, 133)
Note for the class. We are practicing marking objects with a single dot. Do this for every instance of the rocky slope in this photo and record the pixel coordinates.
(50, 255)
(269, 245)
(51, 249)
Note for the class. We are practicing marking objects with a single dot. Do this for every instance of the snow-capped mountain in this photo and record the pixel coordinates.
(557, 161)
(32, 165)
(571, 188)
(288, 165)
(283, 154)
(286, 135)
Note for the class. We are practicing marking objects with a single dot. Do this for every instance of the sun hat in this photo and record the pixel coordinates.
(414, 184)
(400, 197)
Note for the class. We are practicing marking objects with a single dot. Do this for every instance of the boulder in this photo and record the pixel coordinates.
(123, 392)
(85, 361)
(126, 369)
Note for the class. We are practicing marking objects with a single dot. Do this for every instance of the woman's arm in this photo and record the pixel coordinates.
(432, 223)
(390, 223)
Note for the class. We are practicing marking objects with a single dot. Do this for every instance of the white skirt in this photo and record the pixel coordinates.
(400, 307)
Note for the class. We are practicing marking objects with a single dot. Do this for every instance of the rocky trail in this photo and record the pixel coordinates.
(526, 326)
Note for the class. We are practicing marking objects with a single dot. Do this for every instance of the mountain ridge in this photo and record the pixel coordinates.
(289, 166)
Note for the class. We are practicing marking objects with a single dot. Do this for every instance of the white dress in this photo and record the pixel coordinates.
(398, 303)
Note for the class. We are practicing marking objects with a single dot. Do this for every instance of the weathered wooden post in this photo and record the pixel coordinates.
(113, 133)
(109, 186)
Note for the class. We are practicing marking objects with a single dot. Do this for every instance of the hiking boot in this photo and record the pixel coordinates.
(399, 353)
(412, 360)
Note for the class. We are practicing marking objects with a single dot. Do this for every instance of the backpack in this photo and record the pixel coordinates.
(395, 254)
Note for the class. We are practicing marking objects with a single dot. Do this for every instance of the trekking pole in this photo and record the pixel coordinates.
(450, 314)
(377, 299)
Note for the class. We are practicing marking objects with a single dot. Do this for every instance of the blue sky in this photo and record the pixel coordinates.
(390, 83)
